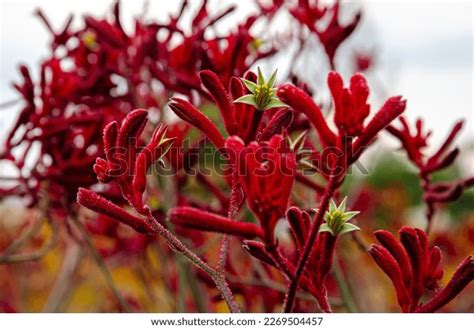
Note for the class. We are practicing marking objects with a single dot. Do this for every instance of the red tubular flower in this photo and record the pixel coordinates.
(461, 278)
(334, 34)
(95, 202)
(202, 220)
(280, 120)
(389, 265)
(351, 108)
(392, 109)
(247, 117)
(257, 250)
(267, 171)
(302, 102)
(320, 261)
(193, 116)
(59, 38)
(414, 267)
(216, 90)
(300, 223)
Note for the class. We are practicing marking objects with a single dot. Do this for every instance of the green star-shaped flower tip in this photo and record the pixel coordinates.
(262, 93)
(337, 219)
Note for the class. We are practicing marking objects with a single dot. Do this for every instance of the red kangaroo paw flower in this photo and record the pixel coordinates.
(302, 102)
(244, 114)
(447, 143)
(257, 250)
(129, 132)
(351, 108)
(441, 163)
(109, 139)
(216, 90)
(206, 221)
(280, 120)
(425, 269)
(323, 257)
(460, 279)
(411, 241)
(392, 109)
(389, 265)
(308, 13)
(267, 171)
(95, 202)
(194, 117)
(300, 223)
(434, 272)
(398, 252)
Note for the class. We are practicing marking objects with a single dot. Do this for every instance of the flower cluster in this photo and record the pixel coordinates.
(414, 267)
(414, 143)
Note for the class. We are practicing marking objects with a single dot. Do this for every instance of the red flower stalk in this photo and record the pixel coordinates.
(202, 220)
(414, 267)
(267, 171)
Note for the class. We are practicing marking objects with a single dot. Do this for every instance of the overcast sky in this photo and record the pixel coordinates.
(425, 48)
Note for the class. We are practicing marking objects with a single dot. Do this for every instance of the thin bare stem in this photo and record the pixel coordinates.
(178, 246)
(233, 209)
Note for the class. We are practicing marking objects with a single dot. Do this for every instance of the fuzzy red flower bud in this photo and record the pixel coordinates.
(216, 90)
(392, 109)
(95, 202)
(194, 117)
(257, 250)
(280, 120)
(202, 220)
(302, 102)
(300, 223)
